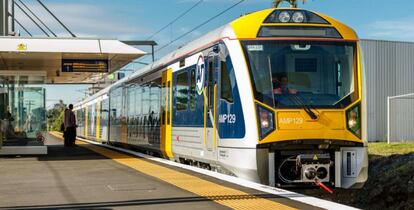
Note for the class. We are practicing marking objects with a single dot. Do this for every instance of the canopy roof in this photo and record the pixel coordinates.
(41, 58)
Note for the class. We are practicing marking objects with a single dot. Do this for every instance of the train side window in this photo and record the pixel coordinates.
(182, 91)
(138, 93)
(226, 90)
(193, 96)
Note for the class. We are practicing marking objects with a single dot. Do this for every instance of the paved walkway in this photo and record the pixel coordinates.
(92, 177)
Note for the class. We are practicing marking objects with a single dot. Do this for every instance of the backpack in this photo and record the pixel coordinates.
(62, 127)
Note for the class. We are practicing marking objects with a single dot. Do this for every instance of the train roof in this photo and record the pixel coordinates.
(255, 22)
(244, 27)
(237, 30)
(99, 94)
(210, 37)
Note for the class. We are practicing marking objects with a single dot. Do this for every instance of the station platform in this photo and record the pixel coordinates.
(90, 176)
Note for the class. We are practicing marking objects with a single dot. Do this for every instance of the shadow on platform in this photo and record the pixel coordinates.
(142, 202)
(60, 152)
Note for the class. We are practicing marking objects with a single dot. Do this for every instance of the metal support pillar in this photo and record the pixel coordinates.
(152, 52)
(12, 18)
(4, 14)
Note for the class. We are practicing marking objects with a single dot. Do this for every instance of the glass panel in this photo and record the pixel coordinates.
(193, 92)
(182, 91)
(226, 91)
(91, 120)
(296, 74)
(115, 117)
(145, 99)
(22, 111)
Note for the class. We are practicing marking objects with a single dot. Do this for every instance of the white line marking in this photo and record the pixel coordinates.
(238, 181)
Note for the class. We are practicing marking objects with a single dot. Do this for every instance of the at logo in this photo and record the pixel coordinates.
(21, 47)
(200, 69)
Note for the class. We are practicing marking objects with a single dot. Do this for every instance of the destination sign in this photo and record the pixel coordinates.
(83, 65)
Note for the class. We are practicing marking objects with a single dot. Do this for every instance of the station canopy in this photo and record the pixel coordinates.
(63, 60)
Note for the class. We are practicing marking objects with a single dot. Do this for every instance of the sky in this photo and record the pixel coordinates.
(140, 19)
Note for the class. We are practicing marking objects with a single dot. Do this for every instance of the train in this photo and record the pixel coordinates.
(276, 96)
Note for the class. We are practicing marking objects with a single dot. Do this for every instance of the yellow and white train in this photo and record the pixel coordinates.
(276, 96)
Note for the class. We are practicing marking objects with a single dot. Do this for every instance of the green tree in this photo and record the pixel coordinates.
(55, 116)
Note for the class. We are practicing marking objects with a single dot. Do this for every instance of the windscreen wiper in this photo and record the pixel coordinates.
(307, 108)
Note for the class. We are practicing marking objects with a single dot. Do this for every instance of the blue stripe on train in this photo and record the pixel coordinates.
(230, 118)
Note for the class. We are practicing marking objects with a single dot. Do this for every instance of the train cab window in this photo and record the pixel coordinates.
(182, 91)
(226, 90)
(193, 92)
(293, 74)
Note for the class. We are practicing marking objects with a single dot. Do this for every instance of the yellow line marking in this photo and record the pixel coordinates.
(225, 196)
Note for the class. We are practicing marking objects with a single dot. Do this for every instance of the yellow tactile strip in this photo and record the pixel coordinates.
(226, 196)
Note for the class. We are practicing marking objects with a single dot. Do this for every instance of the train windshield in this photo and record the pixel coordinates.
(302, 73)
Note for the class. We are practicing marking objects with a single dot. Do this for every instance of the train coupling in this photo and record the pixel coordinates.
(305, 168)
(314, 167)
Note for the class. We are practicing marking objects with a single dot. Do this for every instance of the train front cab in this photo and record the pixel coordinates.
(307, 79)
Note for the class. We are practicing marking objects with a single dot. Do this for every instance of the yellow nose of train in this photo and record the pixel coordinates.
(306, 76)
(306, 119)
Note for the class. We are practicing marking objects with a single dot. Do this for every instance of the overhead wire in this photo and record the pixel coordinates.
(57, 19)
(200, 25)
(176, 19)
(18, 23)
(30, 17)
(21, 2)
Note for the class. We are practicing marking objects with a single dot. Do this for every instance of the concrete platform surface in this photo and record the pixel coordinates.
(83, 177)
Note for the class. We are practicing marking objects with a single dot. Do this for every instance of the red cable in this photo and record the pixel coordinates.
(319, 183)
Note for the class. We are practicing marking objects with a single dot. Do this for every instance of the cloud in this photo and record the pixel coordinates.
(85, 20)
(401, 29)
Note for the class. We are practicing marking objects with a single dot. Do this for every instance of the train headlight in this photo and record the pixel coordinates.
(298, 17)
(284, 17)
(353, 118)
(266, 122)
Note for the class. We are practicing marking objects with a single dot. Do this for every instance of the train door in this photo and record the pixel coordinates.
(124, 107)
(166, 113)
(86, 122)
(210, 110)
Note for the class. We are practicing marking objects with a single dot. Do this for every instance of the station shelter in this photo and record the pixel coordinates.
(27, 64)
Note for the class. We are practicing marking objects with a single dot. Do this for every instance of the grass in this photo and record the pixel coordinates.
(384, 149)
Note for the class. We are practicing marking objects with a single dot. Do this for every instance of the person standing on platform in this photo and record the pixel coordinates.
(70, 126)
